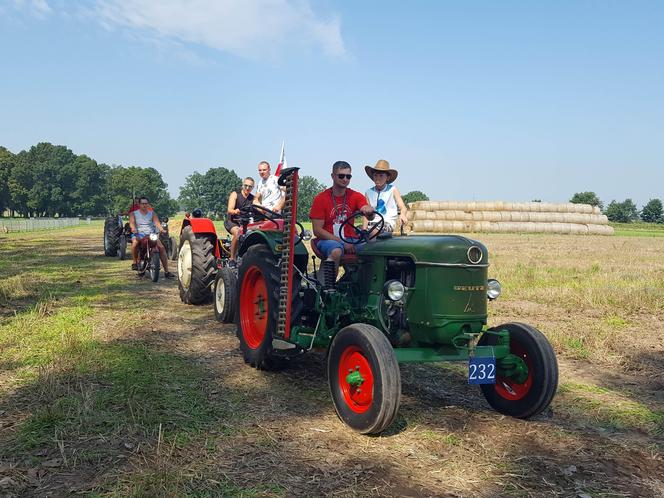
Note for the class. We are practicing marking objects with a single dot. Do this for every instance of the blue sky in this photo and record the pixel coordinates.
(469, 100)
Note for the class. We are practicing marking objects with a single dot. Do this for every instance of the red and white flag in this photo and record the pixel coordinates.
(282, 161)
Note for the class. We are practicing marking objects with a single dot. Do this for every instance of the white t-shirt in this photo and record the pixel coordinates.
(269, 191)
(383, 201)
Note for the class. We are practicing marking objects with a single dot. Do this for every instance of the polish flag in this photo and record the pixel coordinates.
(282, 161)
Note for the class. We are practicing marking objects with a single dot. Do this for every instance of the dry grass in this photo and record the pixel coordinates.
(112, 387)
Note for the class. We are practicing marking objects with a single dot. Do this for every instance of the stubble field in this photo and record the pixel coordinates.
(109, 386)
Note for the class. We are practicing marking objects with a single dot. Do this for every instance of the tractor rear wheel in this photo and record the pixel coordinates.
(225, 295)
(154, 266)
(258, 306)
(531, 396)
(364, 378)
(111, 236)
(122, 247)
(196, 267)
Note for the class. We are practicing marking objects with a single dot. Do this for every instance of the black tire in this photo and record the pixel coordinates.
(122, 247)
(111, 236)
(532, 396)
(225, 295)
(172, 249)
(361, 345)
(259, 281)
(196, 267)
(154, 266)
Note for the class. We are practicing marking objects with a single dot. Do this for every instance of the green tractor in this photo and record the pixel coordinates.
(400, 300)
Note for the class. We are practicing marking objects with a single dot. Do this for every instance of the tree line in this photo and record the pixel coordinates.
(625, 211)
(50, 180)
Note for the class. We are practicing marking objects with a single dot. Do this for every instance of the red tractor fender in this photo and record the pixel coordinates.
(203, 226)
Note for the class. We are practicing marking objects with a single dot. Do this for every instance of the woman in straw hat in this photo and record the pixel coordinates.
(384, 197)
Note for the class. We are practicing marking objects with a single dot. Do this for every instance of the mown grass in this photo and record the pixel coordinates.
(70, 392)
(638, 229)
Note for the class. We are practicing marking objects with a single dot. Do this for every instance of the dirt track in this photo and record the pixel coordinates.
(276, 434)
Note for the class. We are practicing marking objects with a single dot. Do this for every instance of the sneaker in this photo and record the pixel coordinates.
(134, 266)
(168, 274)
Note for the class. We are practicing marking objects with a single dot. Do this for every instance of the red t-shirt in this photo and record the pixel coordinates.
(336, 210)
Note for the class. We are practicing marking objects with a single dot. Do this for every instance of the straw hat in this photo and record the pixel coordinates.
(384, 167)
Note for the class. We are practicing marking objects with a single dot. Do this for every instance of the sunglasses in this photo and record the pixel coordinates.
(341, 176)
(247, 186)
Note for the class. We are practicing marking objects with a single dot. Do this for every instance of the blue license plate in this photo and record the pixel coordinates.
(482, 370)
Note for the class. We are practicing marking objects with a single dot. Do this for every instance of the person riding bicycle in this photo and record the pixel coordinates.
(143, 222)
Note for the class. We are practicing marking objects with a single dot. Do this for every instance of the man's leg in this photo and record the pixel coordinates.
(134, 248)
(235, 233)
(333, 250)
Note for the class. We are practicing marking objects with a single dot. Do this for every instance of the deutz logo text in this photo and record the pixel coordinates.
(468, 287)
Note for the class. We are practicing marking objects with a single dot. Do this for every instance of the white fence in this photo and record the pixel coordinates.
(32, 224)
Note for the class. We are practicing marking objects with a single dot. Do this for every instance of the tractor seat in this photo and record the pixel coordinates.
(267, 225)
(345, 258)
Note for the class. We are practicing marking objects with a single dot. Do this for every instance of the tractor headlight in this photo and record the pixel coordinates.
(394, 290)
(492, 289)
(154, 237)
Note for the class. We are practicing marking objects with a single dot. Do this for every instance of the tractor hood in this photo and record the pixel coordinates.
(439, 250)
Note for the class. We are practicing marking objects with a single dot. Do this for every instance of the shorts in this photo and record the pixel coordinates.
(139, 236)
(327, 246)
(228, 224)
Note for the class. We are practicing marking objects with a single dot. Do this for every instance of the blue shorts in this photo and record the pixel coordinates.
(139, 236)
(327, 246)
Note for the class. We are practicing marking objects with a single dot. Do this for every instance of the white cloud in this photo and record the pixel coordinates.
(251, 28)
(40, 8)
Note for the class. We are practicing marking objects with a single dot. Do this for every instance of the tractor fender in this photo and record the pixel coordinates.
(199, 225)
(271, 239)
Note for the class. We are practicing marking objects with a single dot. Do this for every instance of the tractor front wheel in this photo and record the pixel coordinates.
(527, 397)
(225, 295)
(122, 247)
(196, 267)
(364, 378)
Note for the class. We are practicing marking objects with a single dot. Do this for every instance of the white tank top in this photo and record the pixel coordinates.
(144, 223)
(383, 202)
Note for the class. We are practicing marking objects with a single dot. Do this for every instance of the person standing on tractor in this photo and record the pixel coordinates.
(268, 192)
(237, 200)
(384, 197)
(330, 209)
(143, 222)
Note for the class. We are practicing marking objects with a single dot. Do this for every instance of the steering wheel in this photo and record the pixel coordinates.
(268, 214)
(362, 234)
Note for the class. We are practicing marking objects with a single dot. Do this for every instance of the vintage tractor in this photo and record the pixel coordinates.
(400, 300)
(117, 234)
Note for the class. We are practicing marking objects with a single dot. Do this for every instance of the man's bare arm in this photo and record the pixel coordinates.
(320, 232)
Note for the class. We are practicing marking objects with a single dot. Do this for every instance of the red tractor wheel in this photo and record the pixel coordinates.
(259, 283)
(524, 398)
(364, 378)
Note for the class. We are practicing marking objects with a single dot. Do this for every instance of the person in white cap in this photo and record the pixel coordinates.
(384, 197)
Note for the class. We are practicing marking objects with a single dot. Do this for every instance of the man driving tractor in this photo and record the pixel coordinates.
(330, 209)
(143, 222)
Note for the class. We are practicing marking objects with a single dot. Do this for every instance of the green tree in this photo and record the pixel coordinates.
(307, 188)
(415, 196)
(652, 212)
(6, 165)
(219, 183)
(587, 198)
(623, 212)
(192, 193)
(127, 182)
(90, 194)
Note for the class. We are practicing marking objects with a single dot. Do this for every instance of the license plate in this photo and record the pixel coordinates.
(482, 370)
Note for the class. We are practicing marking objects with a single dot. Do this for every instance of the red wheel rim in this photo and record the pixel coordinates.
(509, 389)
(358, 397)
(253, 307)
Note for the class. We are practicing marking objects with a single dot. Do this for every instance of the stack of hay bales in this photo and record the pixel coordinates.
(507, 217)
